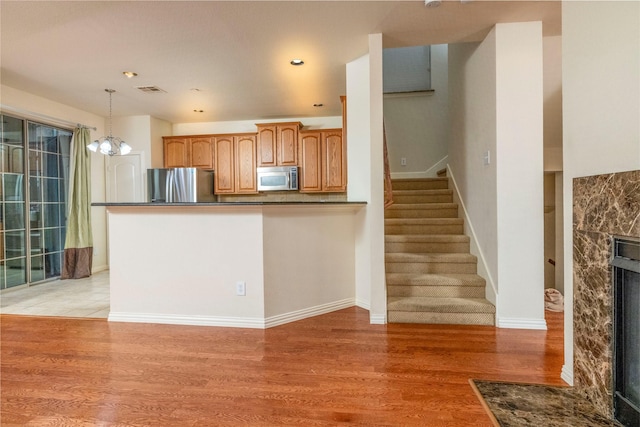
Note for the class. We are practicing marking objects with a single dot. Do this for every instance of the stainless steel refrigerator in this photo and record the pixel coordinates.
(180, 185)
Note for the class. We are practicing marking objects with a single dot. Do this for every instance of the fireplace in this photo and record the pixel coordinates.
(604, 207)
(626, 326)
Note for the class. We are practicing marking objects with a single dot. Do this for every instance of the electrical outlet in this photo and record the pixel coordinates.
(241, 289)
(487, 158)
(403, 161)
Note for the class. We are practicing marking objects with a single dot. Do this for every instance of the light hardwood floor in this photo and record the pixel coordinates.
(334, 369)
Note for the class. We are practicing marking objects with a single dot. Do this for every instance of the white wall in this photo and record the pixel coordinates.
(520, 181)
(243, 126)
(159, 128)
(308, 258)
(144, 134)
(472, 91)
(135, 131)
(601, 104)
(552, 84)
(495, 113)
(181, 265)
(21, 100)
(417, 127)
(358, 179)
(365, 176)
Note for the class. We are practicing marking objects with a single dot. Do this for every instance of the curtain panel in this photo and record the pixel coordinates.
(78, 247)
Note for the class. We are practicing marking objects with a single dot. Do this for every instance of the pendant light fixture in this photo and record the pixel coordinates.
(110, 145)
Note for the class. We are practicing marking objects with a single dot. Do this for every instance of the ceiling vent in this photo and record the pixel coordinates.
(150, 89)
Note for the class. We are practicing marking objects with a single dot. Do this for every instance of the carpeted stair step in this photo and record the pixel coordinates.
(424, 226)
(427, 243)
(435, 285)
(422, 210)
(468, 311)
(420, 184)
(422, 196)
(431, 263)
(436, 291)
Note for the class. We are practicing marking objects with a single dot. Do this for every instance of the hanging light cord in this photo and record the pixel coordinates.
(110, 93)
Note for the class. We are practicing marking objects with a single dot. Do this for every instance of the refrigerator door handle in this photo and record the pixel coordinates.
(169, 185)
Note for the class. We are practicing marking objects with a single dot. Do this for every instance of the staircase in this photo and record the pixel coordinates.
(431, 275)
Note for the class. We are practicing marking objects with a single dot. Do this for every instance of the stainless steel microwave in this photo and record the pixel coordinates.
(282, 178)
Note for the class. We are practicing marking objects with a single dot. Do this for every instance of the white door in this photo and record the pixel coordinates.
(125, 178)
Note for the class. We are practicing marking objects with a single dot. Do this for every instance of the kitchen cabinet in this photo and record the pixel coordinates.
(188, 151)
(235, 164)
(201, 152)
(176, 152)
(277, 144)
(323, 162)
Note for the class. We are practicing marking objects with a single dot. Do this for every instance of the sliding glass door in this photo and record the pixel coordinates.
(33, 195)
(13, 264)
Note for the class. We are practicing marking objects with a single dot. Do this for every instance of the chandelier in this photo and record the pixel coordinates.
(110, 145)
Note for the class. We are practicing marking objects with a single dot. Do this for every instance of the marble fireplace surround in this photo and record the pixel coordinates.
(603, 206)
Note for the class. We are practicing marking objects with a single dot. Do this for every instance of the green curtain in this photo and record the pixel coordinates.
(78, 247)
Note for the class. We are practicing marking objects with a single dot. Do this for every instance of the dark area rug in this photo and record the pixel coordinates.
(517, 404)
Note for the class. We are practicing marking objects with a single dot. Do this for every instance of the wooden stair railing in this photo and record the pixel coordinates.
(388, 191)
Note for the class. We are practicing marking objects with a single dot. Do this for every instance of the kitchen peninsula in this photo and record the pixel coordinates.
(190, 263)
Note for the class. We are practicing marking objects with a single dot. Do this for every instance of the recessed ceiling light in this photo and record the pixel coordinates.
(130, 74)
(296, 62)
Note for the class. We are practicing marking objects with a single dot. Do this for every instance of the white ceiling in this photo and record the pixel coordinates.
(236, 53)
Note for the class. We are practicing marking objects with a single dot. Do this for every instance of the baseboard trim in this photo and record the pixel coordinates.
(99, 268)
(517, 323)
(172, 319)
(293, 316)
(567, 375)
(232, 322)
(378, 319)
(483, 268)
(363, 304)
(432, 172)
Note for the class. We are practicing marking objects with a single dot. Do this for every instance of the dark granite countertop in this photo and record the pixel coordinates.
(216, 204)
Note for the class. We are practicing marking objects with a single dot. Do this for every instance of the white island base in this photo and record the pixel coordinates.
(183, 264)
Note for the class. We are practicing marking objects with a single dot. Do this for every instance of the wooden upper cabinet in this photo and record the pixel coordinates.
(245, 150)
(176, 152)
(235, 164)
(334, 171)
(224, 175)
(267, 145)
(202, 153)
(310, 157)
(287, 144)
(323, 162)
(277, 144)
(187, 151)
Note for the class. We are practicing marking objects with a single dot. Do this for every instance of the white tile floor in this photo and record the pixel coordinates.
(87, 297)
